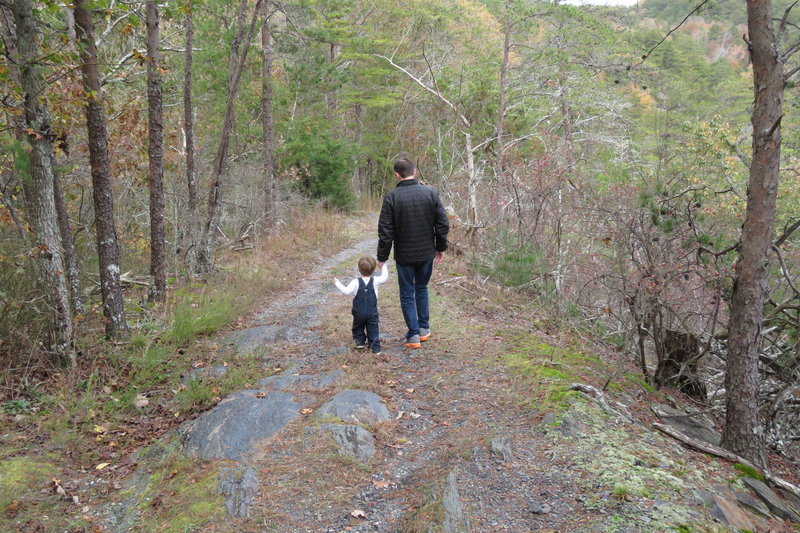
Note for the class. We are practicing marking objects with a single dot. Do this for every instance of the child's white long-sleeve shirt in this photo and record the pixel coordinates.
(352, 287)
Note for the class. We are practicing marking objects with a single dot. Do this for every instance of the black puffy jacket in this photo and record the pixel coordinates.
(414, 220)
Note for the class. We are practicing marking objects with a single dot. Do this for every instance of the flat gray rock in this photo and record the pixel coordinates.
(694, 425)
(361, 407)
(354, 441)
(240, 485)
(571, 427)
(239, 425)
(750, 503)
(455, 519)
(502, 447)
(212, 372)
(772, 500)
(298, 383)
(248, 340)
(727, 512)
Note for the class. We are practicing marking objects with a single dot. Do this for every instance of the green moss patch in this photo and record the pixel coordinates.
(630, 474)
(181, 497)
(21, 479)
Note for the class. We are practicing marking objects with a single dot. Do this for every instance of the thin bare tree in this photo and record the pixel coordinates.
(268, 124)
(107, 245)
(243, 38)
(158, 267)
(192, 226)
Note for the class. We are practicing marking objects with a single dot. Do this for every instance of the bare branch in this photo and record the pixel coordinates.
(792, 72)
(102, 36)
(790, 51)
(787, 232)
(670, 32)
(462, 119)
(786, 275)
(782, 27)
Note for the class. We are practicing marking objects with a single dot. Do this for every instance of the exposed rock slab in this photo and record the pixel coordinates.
(200, 374)
(354, 441)
(240, 485)
(361, 407)
(772, 500)
(247, 340)
(239, 425)
(455, 519)
(298, 383)
(725, 510)
(694, 425)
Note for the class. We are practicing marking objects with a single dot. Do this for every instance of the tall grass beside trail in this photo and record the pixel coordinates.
(87, 411)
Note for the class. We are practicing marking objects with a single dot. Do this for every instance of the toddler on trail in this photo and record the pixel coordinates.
(365, 303)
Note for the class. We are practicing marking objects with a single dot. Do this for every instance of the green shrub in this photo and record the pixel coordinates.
(321, 164)
(514, 265)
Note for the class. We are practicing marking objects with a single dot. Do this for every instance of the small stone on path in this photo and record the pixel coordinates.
(362, 407)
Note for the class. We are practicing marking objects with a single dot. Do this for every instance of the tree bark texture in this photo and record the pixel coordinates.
(8, 33)
(158, 266)
(107, 246)
(236, 64)
(743, 432)
(47, 254)
(499, 165)
(268, 124)
(68, 244)
(192, 225)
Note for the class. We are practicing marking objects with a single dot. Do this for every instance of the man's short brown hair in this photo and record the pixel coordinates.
(367, 265)
(404, 166)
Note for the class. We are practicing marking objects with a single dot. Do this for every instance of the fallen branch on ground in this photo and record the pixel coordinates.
(725, 454)
(597, 395)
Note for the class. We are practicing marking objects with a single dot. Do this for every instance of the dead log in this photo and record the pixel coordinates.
(728, 455)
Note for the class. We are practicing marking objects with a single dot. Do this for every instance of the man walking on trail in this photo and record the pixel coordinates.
(414, 220)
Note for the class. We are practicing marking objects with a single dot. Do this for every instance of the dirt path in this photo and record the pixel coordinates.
(451, 409)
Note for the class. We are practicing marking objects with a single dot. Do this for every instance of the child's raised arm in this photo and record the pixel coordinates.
(349, 289)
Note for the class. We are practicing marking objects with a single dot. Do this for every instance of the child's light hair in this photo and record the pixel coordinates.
(367, 265)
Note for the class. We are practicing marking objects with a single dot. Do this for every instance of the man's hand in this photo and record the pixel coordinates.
(438, 258)
(380, 264)
(335, 280)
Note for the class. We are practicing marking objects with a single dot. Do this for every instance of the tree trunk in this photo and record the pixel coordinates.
(47, 256)
(204, 259)
(188, 129)
(499, 166)
(8, 34)
(743, 432)
(68, 244)
(330, 94)
(270, 185)
(107, 247)
(158, 267)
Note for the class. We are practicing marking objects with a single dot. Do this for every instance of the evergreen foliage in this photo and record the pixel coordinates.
(320, 165)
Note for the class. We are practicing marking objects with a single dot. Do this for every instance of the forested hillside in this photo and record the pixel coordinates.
(165, 167)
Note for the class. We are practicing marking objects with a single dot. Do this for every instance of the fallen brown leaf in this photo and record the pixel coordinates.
(12, 509)
(380, 484)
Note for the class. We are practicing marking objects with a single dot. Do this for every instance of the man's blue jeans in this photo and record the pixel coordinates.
(413, 281)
